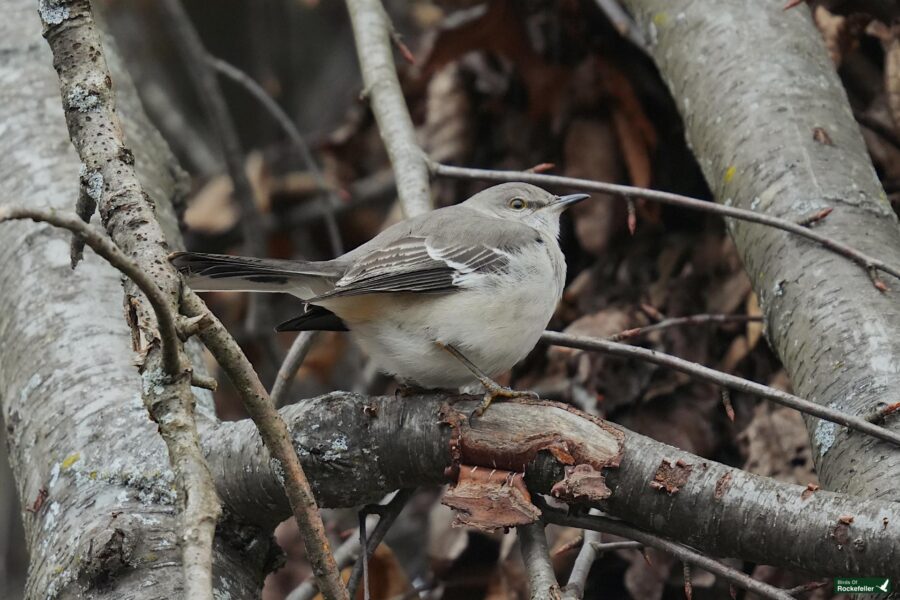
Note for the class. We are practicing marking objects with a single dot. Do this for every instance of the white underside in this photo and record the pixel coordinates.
(494, 320)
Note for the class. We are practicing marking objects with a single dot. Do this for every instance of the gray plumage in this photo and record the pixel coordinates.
(483, 276)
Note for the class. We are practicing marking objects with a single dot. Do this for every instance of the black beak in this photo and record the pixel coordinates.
(566, 201)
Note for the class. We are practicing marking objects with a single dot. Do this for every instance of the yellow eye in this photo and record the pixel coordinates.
(517, 204)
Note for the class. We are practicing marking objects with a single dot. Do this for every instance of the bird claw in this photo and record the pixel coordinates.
(497, 391)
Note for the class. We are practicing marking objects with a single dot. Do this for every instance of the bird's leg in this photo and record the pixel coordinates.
(492, 389)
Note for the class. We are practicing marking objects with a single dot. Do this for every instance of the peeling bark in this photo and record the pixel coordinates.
(751, 118)
(70, 394)
(354, 449)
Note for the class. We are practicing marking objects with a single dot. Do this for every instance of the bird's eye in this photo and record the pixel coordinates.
(517, 204)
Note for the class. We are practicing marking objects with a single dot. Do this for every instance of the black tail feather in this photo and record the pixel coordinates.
(315, 318)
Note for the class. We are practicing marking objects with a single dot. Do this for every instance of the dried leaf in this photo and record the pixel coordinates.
(754, 329)
(892, 76)
(212, 210)
(591, 153)
(835, 33)
(775, 444)
(498, 28)
(448, 123)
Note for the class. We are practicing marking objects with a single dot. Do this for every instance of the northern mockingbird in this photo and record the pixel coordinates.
(441, 300)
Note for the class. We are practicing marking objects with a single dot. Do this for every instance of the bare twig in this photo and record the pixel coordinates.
(726, 403)
(364, 545)
(722, 379)
(807, 587)
(869, 263)
(109, 178)
(536, 556)
(388, 514)
(288, 369)
(194, 55)
(205, 382)
(610, 546)
(623, 23)
(327, 194)
(589, 552)
(678, 321)
(683, 553)
(277, 440)
(344, 556)
(107, 249)
(328, 197)
(688, 583)
(372, 31)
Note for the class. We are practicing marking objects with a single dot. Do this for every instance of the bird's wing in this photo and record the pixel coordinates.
(424, 264)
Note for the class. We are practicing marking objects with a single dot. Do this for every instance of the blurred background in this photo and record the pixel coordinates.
(500, 84)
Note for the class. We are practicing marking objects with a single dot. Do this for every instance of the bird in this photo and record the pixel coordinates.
(442, 300)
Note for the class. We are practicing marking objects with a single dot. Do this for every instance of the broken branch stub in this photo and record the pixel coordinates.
(489, 461)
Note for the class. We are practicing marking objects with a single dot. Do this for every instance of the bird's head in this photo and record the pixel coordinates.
(524, 203)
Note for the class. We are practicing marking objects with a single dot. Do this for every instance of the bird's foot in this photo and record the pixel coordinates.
(493, 391)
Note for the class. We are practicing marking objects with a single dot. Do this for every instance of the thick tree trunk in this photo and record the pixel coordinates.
(85, 456)
(754, 85)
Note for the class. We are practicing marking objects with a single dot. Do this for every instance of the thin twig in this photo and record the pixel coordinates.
(107, 249)
(388, 514)
(536, 556)
(349, 552)
(288, 369)
(610, 546)
(683, 553)
(589, 552)
(679, 321)
(109, 178)
(623, 23)
(363, 544)
(277, 439)
(194, 56)
(328, 196)
(688, 583)
(867, 262)
(344, 556)
(732, 382)
(807, 587)
(372, 32)
(328, 200)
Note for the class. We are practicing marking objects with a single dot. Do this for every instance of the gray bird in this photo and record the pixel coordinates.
(442, 300)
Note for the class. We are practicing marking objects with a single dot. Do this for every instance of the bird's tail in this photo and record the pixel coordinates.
(214, 272)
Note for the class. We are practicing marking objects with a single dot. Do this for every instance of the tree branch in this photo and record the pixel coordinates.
(106, 249)
(195, 58)
(328, 197)
(283, 462)
(372, 31)
(357, 448)
(110, 180)
(679, 321)
(536, 556)
(757, 149)
(289, 367)
(867, 262)
(207, 89)
(574, 589)
(388, 514)
(607, 525)
(726, 380)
